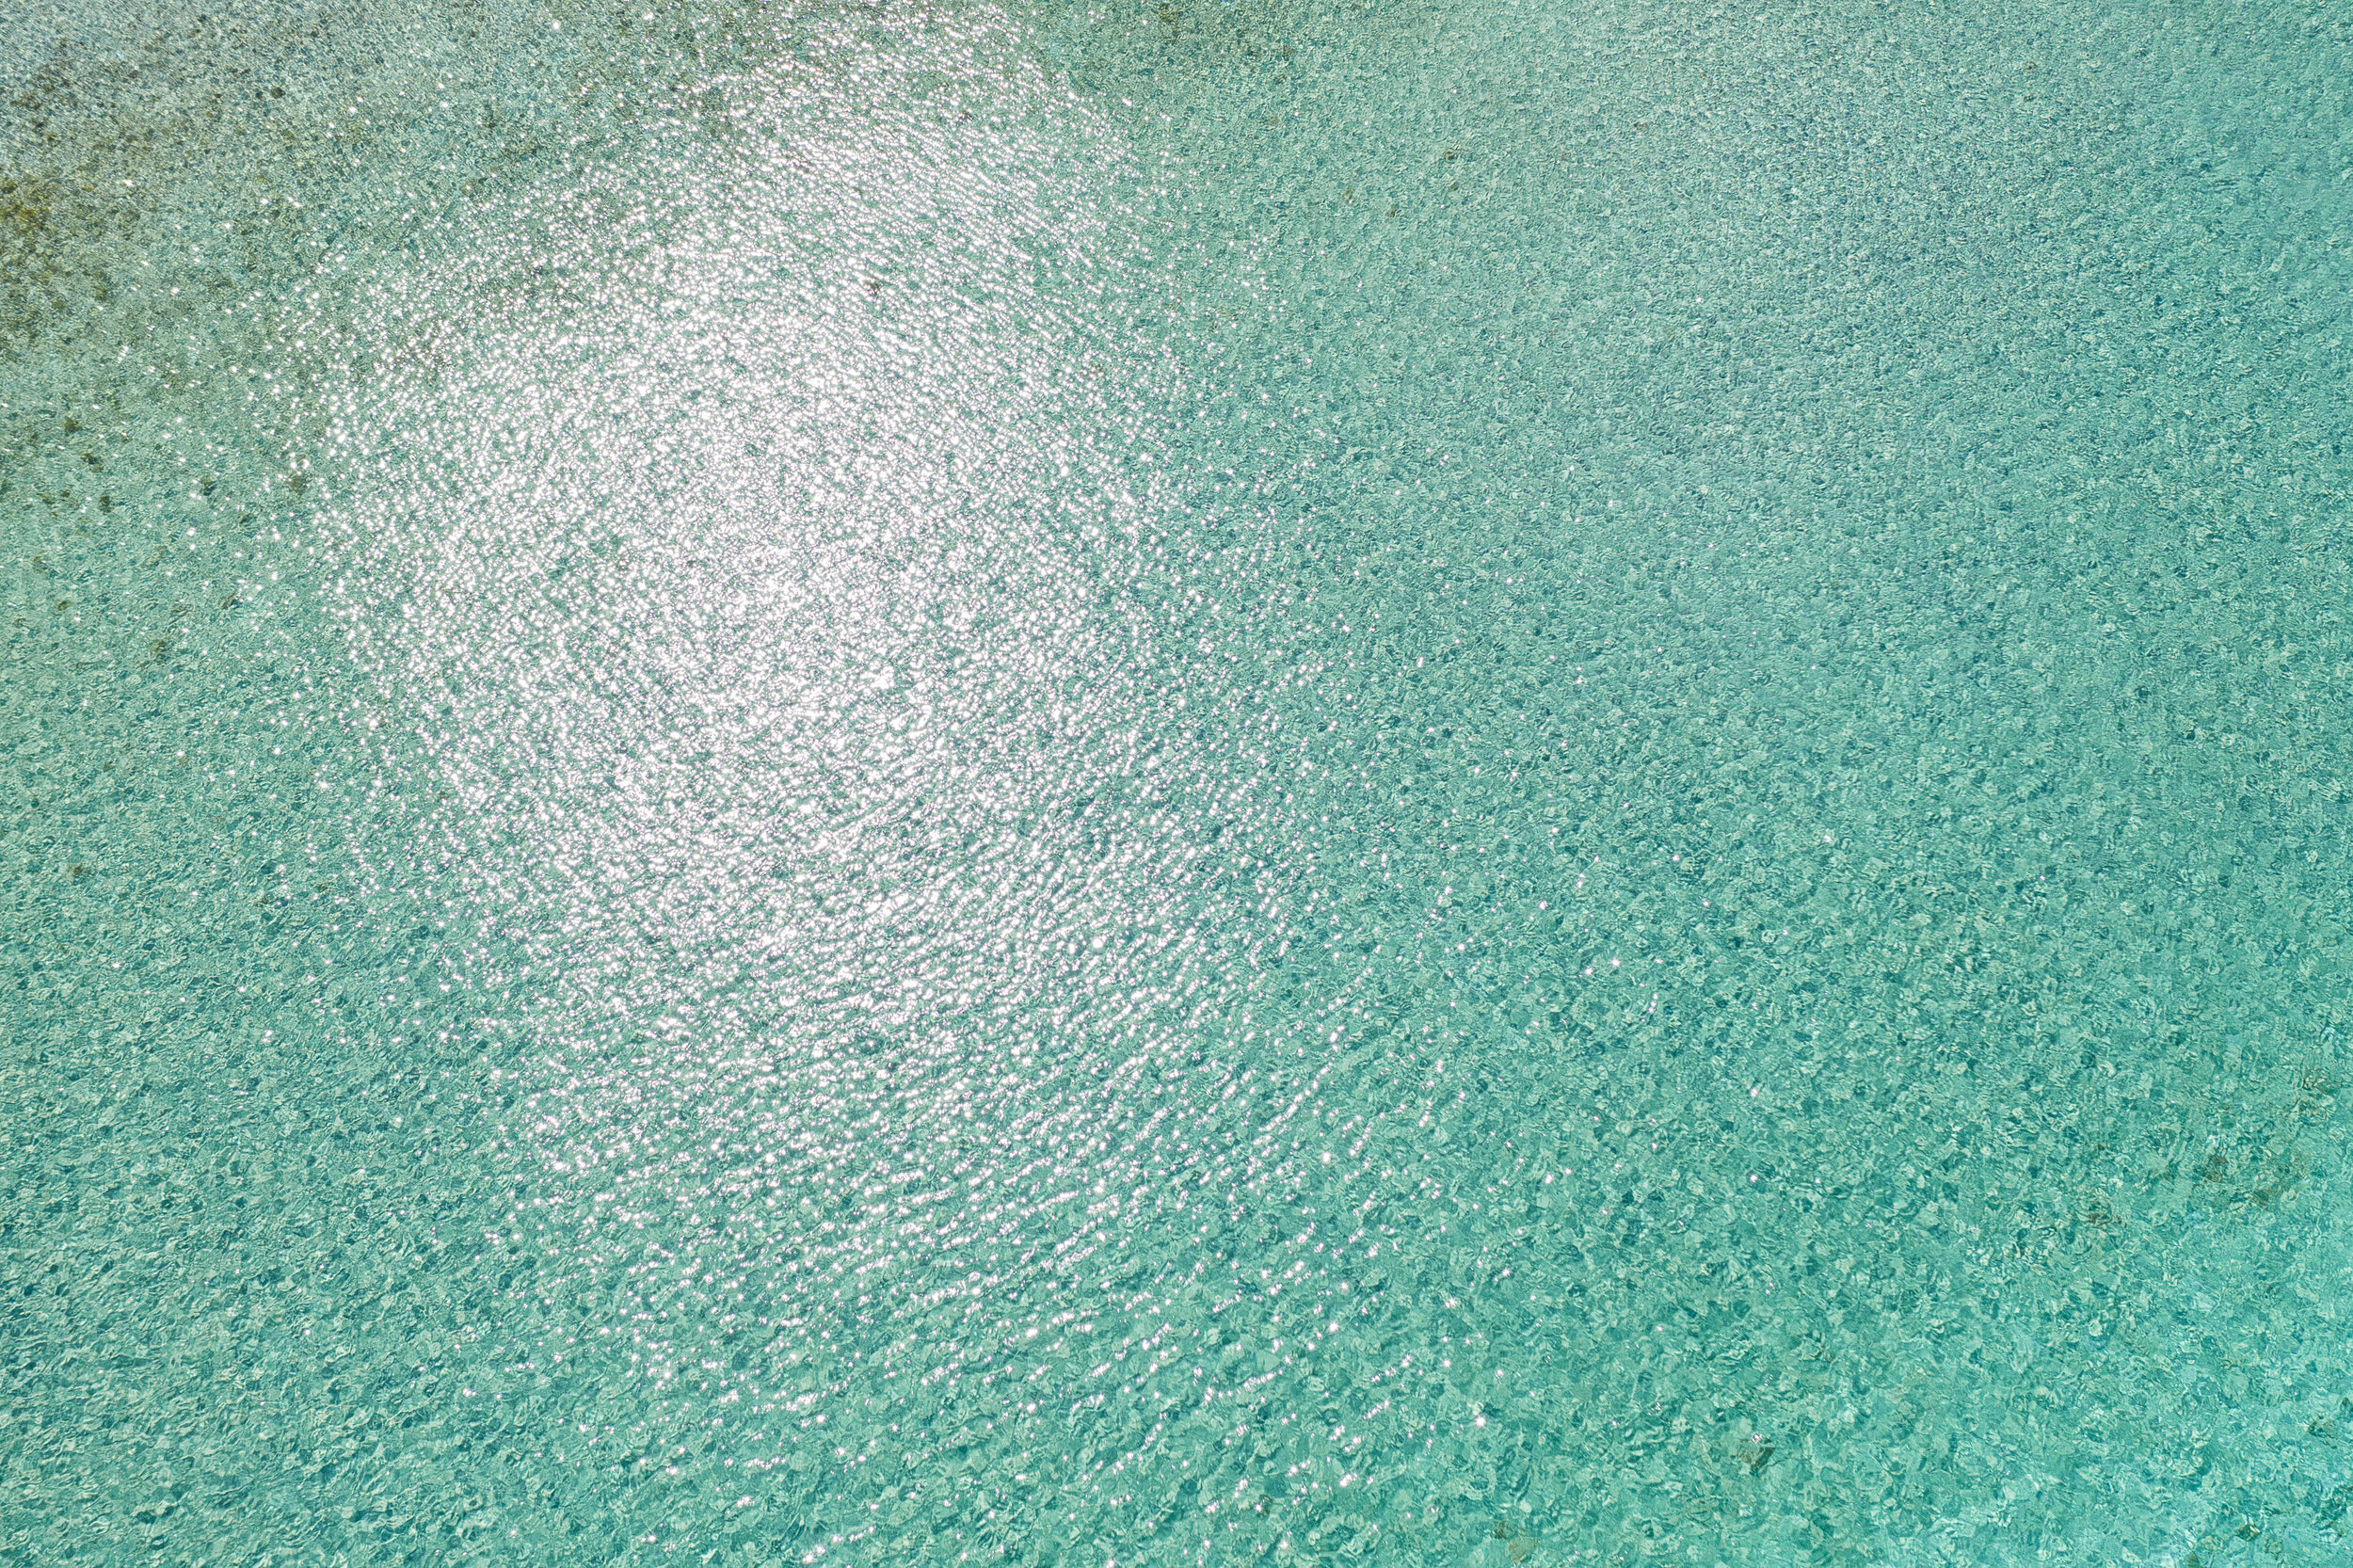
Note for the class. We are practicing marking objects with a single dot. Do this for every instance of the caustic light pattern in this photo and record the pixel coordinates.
(1194, 783)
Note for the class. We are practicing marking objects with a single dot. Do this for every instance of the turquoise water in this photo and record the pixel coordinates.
(1403, 783)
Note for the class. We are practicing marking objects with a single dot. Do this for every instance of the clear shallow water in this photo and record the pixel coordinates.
(1427, 785)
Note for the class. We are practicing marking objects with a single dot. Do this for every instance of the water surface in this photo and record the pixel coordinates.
(1413, 783)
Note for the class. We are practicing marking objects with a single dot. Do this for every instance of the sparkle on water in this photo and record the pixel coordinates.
(1288, 781)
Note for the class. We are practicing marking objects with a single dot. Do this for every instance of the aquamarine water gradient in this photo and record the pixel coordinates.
(1410, 783)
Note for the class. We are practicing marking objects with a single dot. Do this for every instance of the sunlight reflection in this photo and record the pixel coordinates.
(751, 559)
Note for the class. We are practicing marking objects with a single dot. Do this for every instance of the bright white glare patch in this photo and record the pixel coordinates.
(728, 555)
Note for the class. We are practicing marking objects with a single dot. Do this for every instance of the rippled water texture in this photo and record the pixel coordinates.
(1411, 783)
